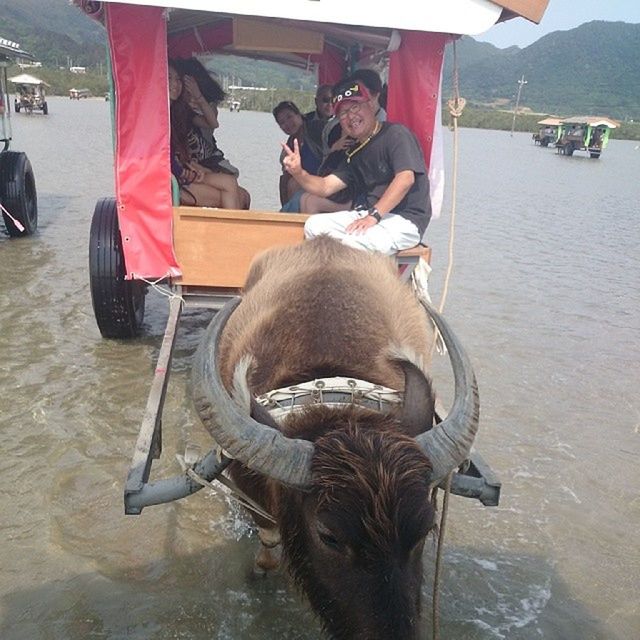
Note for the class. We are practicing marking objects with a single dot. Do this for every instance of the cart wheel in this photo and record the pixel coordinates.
(45, 108)
(18, 193)
(595, 154)
(568, 149)
(118, 304)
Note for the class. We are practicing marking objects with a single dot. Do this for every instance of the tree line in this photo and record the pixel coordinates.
(61, 80)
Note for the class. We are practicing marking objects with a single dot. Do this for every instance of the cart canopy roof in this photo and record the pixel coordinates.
(592, 121)
(25, 78)
(551, 122)
(10, 50)
(466, 17)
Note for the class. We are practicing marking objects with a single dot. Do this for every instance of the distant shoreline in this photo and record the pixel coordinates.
(473, 118)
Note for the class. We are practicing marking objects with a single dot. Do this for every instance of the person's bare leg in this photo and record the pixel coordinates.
(205, 195)
(228, 187)
(245, 198)
(316, 204)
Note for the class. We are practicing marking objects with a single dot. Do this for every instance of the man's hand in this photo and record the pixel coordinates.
(360, 225)
(323, 186)
(291, 161)
(343, 143)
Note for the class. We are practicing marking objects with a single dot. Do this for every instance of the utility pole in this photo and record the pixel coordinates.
(521, 83)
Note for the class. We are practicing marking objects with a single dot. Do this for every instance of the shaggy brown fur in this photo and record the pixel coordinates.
(354, 541)
(321, 309)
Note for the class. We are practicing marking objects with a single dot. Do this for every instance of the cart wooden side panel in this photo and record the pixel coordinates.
(215, 247)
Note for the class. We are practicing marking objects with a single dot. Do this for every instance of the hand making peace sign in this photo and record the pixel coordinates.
(291, 161)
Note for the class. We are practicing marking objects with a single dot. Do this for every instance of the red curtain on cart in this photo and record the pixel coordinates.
(415, 72)
(138, 45)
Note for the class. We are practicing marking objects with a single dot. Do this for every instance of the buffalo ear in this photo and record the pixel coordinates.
(418, 407)
(261, 414)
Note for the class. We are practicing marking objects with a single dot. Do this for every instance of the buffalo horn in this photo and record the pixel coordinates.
(448, 444)
(260, 447)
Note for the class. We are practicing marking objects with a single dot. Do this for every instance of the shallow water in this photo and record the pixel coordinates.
(545, 295)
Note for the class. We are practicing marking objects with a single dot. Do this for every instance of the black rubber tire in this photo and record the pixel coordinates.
(544, 142)
(18, 193)
(568, 149)
(45, 108)
(118, 304)
(16, 106)
(595, 154)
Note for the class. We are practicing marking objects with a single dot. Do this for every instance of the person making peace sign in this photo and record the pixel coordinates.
(385, 166)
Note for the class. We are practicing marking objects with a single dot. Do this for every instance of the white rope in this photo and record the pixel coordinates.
(17, 223)
(239, 495)
(439, 552)
(161, 289)
(456, 105)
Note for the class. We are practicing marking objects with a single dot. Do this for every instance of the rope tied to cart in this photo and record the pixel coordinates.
(19, 226)
(163, 291)
(239, 495)
(456, 106)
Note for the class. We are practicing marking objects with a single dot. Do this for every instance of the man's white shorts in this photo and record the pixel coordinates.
(392, 234)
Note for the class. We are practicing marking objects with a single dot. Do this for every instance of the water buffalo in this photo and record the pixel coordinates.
(348, 486)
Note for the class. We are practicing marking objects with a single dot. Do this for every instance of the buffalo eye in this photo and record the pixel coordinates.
(328, 539)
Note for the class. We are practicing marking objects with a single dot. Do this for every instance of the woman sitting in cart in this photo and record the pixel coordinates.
(202, 142)
(198, 185)
(292, 122)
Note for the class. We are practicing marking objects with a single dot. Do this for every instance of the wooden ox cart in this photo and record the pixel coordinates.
(203, 254)
(30, 94)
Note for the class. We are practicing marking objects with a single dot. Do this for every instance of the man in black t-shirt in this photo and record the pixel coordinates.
(385, 167)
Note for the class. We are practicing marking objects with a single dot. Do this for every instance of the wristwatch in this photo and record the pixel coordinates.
(375, 214)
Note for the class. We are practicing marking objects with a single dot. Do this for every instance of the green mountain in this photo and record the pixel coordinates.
(593, 69)
(55, 31)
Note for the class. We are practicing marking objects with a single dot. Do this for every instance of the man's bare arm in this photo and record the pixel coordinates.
(318, 186)
(396, 191)
(393, 195)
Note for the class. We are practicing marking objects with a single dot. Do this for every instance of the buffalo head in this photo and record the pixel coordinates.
(352, 489)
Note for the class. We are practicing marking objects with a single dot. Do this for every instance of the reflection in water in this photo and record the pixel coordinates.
(545, 298)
